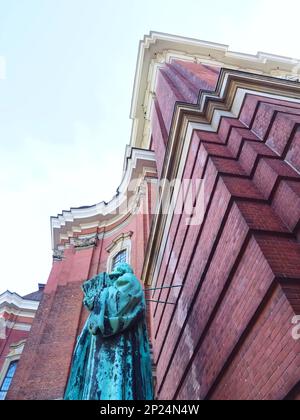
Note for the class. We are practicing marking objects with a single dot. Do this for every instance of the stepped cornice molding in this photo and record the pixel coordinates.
(226, 101)
(159, 48)
(9, 300)
(138, 164)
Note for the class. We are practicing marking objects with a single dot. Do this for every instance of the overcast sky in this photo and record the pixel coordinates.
(64, 104)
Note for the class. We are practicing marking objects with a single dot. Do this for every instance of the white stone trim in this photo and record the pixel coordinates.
(14, 355)
(19, 326)
(123, 243)
(13, 299)
(12, 311)
(13, 304)
(158, 48)
(6, 324)
(151, 277)
(76, 219)
(2, 328)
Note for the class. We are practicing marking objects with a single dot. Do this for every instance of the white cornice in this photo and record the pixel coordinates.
(15, 353)
(63, 226)
(18, 326)
(12, 310)
(158, 48)
(121, 238)
(8, 299)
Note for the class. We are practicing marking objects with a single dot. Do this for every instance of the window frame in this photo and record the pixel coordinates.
(16, 350)
(8, 377)
(122, 243)
(121, 260)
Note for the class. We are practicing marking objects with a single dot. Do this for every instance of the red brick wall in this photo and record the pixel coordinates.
(12, 337)
(230, 334)
(43, 370)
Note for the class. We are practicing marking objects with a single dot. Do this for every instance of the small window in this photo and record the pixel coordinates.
(120, 258)
(7, 380)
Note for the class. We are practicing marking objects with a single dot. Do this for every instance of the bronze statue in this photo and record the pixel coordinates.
(111, 360)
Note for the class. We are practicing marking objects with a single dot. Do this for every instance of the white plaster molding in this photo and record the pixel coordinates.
(112, 232)
(122, 243)
(2, 328)
(120, 239)
(149, 276)
(13, 299)
(76, 219)
(157, 48)
(15, 353)
(5, 324)
(14, 311)
(19, 326)
(130, 209)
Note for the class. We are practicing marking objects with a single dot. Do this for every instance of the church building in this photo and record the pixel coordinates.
(209, 204)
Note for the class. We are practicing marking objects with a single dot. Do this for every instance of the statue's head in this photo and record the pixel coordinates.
(121, 269)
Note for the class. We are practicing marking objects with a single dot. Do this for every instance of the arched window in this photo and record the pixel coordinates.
(119, 251)
(120, 258)
(7, 379)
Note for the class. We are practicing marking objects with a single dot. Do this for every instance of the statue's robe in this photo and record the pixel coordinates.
(111, 360)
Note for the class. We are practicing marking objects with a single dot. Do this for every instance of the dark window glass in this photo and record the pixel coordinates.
(7, 380)
(11, 370)
(121, 257)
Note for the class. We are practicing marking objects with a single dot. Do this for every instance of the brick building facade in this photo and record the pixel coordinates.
(16, 318)
(200, 112)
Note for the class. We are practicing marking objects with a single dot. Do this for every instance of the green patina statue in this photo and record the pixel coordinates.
(111, 360)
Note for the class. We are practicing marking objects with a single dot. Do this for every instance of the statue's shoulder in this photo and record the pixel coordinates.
(95, 282)
(130, 277)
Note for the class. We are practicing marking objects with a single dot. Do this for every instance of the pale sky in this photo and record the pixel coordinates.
(65, 101)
